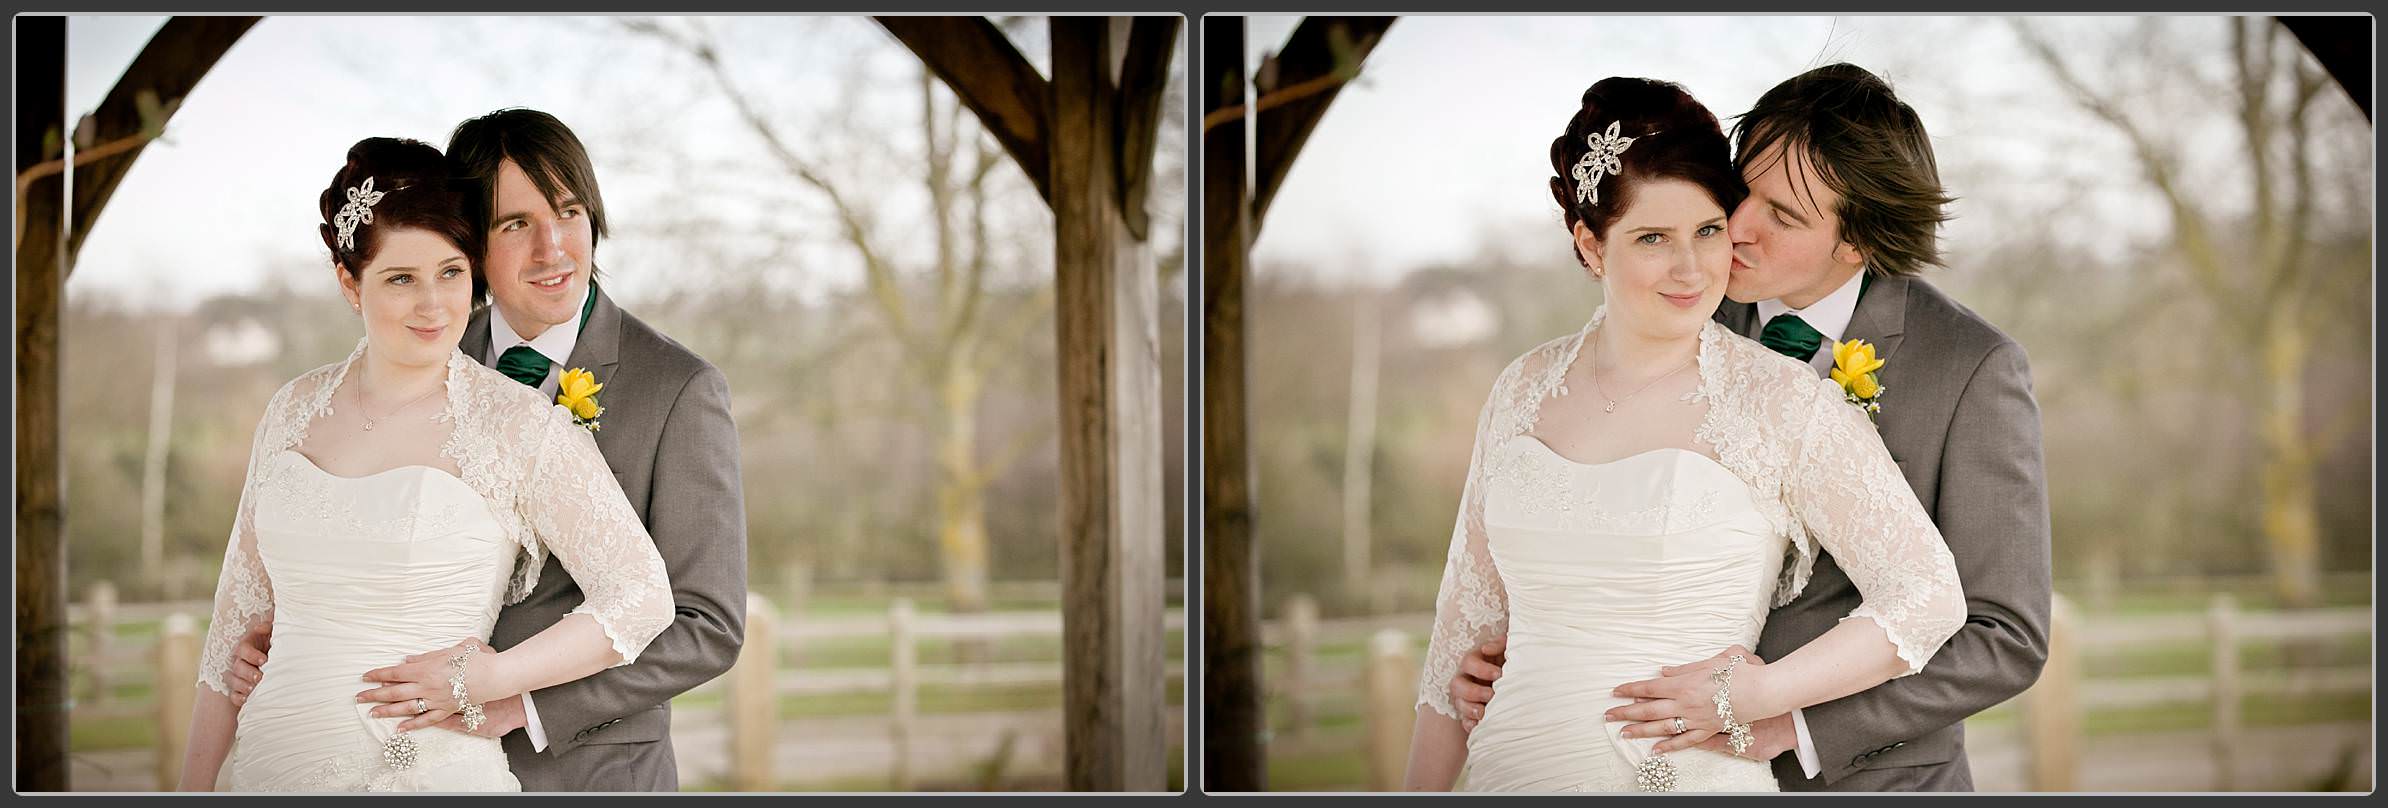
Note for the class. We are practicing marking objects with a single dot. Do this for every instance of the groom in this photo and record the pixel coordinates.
(1843, 212)
(666, 433)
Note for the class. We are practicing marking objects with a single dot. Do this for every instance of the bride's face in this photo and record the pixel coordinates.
(414, 296)
(1664, 264)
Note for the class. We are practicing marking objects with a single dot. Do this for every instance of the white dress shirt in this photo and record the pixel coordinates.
(1829, 316)
(556, 344)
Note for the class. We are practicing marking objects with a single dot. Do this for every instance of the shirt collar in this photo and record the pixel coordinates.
(555, 343)
(1829, 316)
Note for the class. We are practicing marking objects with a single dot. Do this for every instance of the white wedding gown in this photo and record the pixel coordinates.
(355, 573)
(1600, 574)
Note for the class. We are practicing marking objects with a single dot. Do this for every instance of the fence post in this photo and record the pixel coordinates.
(753, 703)
(1301, 648)
(100, 619)
(2052, 707)
(177, 679)
(1392, 700)
(902, 651)
(2222, 621)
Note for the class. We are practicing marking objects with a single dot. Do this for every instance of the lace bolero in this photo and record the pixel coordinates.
(544, 479)
(1813, 461)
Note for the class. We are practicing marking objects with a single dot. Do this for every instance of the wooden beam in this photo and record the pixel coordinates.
(1107, 323)
(1325, 50)
(1233, 757)
(1143, 80)
(2343, 46)
(974, 58)
(41, 289)
(182, 52)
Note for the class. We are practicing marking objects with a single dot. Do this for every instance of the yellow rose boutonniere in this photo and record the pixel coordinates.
(1853, 368)
(577, 392)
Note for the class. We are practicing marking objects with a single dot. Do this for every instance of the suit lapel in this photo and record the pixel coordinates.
(1881, 316)
(475, 343)
(599, 351)
(1739, 317)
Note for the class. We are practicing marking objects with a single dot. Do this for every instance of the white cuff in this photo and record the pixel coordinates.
(1799, 724)
(530, 726)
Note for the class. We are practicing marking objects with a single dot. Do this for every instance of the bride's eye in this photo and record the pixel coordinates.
(402, 279)
(1649, 238)
(1711, 230)
(451, 272)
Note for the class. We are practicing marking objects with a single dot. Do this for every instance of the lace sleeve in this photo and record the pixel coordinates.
(244, 594)
(1848, 494)
(1471, 608)
(576, 510)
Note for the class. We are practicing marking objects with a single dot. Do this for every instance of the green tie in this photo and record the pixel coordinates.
(1790, 336)
(523, 364)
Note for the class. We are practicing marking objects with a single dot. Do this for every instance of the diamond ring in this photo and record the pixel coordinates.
(421, 708)
(1679, 725)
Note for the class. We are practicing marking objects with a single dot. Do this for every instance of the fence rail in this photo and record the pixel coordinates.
(749, 693)
(2052, 709)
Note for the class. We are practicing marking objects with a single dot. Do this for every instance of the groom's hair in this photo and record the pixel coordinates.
(544, 147)
(1869, 147)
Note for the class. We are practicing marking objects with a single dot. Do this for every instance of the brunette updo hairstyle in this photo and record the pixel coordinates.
(417, 192)
(1674, 138)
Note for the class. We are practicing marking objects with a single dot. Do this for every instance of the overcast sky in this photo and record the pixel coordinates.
(1446, 136)
(230, 195)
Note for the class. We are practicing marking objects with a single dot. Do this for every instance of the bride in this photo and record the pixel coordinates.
(394, 501)
(1644, 490)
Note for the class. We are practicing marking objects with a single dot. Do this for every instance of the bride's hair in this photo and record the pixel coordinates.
(417, 191)
(1674, 138)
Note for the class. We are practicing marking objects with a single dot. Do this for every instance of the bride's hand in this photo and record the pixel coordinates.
(425, 676)
(1686, 691)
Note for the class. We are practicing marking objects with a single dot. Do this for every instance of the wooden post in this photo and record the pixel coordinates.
(42, 688)
(753, 702)
(2052, 707)
(153, 460)
(1232, 695)
(175, 689)
(1107, 327)
(1301, 677)
(903, 664)
(99, 621)
(1359, 447)
(1392, 707)
(2222, 620)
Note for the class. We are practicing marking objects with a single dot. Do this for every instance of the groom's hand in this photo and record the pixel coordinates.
(248, 662)
(1770, 738)
(1471, 689)
(498, 718)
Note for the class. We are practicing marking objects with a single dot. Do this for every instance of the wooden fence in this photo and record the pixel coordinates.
(2052, 711)
(749, 693)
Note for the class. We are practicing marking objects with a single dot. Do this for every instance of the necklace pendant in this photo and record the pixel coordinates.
(1609, 407)
(368, 426)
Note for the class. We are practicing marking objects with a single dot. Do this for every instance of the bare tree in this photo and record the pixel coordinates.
(2251, 268)
(936, 314)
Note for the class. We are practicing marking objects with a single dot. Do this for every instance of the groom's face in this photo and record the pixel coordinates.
(1787, 233)
(538, 265)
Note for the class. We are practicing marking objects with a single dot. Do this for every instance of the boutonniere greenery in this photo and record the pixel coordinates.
(577, 391)
(1854, 368)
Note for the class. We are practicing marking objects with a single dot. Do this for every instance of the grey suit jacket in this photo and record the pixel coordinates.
(668, 436)
(1959, 419)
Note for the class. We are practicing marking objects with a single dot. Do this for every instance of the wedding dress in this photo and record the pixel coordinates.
(1600, 574)
(355, 573)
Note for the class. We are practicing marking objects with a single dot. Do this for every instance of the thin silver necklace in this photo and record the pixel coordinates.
(1611, 406)
(370, 420)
